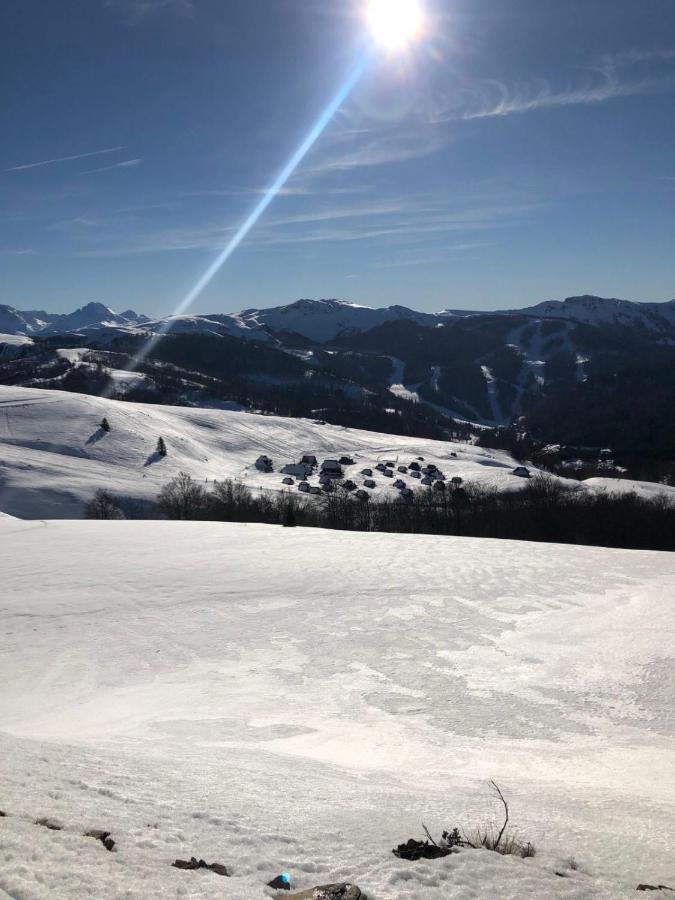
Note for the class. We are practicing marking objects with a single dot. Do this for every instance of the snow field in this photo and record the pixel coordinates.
(301, 700)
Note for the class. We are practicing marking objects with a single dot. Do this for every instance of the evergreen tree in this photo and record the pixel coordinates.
(161, 447)
(105, 424)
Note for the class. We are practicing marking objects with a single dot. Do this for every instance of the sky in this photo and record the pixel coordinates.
(521, 150)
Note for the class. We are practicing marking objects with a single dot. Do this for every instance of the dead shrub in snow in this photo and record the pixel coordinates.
(499, 839)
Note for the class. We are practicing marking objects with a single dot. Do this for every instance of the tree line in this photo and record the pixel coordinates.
(542, 510)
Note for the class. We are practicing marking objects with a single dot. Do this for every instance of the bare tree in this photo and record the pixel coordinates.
(103, 506)
(183, 498)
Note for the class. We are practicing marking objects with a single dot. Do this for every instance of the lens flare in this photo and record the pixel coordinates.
(311, 138)
(395, 24)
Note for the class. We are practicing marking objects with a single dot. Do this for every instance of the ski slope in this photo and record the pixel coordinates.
(54, 456)
(301, 700)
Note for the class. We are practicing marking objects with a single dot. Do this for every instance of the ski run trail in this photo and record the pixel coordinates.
(303, 700)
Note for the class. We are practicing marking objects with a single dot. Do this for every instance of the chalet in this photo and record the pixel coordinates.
(399, 483)
(426, 480)
(369, 483)
(331, 468)
(367, 472)
(346, 461)
(403, 469)
(362, 495)
(521, 472)
(288, 481)
(309, 460)
(416, 474)
(439, 485)
(264, 464)
(304, 487)
(414, 466)
(298, 470)
(348, 485)
(314, 489)
(389, 464)
(380, 467)
(387, 473)
(457, 480)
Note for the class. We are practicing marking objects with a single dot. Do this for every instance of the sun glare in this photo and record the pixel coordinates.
(394, 23)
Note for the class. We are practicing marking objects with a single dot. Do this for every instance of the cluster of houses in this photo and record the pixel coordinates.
(332, 471)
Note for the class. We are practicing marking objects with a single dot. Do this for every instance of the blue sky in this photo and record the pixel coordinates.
(522, 151)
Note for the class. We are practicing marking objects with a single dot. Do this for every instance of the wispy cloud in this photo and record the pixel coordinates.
(125, 164)
(614, 76)
(134, 11)
(62, 159)
(416, 221)
(19, 251)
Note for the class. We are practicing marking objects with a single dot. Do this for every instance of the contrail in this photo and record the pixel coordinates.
(314, 134)
(60, 159)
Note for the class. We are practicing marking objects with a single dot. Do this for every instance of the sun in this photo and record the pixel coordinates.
(395, 23)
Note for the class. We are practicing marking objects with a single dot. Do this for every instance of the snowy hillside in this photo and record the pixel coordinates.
(603, 311)
(299, 700)
(54, 456)
(324, 320)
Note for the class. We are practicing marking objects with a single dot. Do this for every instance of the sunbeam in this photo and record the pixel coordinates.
(314, 134)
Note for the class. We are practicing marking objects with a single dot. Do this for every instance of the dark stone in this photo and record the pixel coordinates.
(219, 869)
(50, 824)
(194, 863)
(102, 836)
(343, 891)
(3, 815)
(413, 849)
(654, 887)
(280, 883)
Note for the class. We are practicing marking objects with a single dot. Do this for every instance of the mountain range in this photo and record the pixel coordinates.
(322, 321)
(585, 370)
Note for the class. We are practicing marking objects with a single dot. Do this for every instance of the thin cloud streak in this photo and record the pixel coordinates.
(61, 159)
(125, 164)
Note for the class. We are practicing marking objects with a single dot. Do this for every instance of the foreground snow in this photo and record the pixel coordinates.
(53, 455)
(290, 699)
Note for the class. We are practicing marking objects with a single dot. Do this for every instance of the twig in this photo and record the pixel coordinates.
(495, 787)
(426, 831)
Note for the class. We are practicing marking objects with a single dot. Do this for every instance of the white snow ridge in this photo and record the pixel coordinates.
(300, 700)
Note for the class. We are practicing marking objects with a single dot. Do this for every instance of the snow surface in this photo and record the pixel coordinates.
(15, 340)
(629, 486)
(53, 455)
(301, 700)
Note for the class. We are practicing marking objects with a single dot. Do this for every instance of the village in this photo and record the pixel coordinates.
(308, 476)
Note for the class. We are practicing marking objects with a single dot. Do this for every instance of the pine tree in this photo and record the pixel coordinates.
(161, 447)
(105, 424)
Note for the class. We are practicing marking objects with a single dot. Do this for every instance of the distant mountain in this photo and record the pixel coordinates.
(93, 315)
(27, 322)
(325, 320)
(590, 310)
